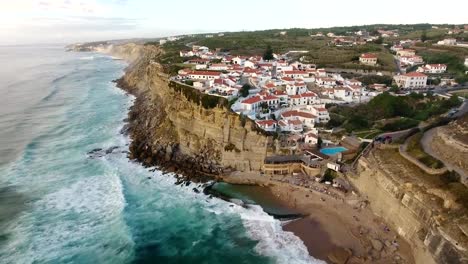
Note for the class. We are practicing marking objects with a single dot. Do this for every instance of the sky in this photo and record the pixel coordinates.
(68, 21)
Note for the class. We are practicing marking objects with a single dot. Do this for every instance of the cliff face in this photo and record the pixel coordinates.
(167, 129)
(427, 216)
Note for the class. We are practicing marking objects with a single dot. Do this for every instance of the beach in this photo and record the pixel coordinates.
(335, 228)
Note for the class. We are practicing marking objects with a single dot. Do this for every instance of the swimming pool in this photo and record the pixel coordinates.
(333, 151)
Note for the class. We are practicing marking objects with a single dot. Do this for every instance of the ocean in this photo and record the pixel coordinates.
(60, 204)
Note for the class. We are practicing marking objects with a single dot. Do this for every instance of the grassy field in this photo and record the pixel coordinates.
(416, 150)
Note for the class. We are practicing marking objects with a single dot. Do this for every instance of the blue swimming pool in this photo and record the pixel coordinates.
(333, 151)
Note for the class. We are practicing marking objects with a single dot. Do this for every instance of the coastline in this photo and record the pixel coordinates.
(332, 230)
(335, 230)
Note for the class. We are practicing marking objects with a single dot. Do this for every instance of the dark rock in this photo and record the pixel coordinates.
(196, 190)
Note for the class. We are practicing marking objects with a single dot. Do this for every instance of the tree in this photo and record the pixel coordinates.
(424, 36)
(268, 55)
(244, 91)
(319, 142)
(379, 40)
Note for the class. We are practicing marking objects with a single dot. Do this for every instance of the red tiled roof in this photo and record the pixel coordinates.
(415, 74)
(297, 113)
(295, 122)
(252, 100)
(369, 56)
(309, 94)
(288, 79)
(295, 72)
(211, 73)
(266, 122)
(270, 97)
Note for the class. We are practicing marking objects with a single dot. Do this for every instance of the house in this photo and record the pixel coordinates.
(249, 64)
(310, 138)
(396, 48)
(343, 93)
(368, 59)
(267, 125)
(411, 60)
(296, 74)
(251, 104)
(218, 67)
(325, 82)
(433, 68)
(378, 87)
(303, 99)
(406, 52)
(448, 42)
(296, 88)
(204, 75)
(237, 60)
(411, 80)
(321, 113)
(282, 95)
(271, 100)
(290, 125)
(353, 82)
(307, 119)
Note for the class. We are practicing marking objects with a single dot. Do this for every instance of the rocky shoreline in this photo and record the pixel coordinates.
(168, 157)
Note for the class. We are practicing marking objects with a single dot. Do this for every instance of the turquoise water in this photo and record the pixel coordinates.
(333, 151)
(60, 205)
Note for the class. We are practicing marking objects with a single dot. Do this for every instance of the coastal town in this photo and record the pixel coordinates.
(360, 130)
(285, 95)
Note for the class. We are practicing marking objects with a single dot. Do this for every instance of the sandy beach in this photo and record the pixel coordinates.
(336, 228)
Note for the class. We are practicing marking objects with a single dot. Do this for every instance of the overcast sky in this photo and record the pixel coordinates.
(65, 21)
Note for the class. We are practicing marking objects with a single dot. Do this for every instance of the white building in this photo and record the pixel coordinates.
(307, 119)
(290, 125)
(448, 42)
(325, 82)
(296, 88)
(321, 113)
(251, 104)
(433, 68)
(267, 125)
(368, 59)
(310, 138)
(204, 75)
(411, 60)
(406, 52)
(411, 80)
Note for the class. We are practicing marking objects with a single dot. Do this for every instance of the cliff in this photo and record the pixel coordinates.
(168, 129)
(424, 209)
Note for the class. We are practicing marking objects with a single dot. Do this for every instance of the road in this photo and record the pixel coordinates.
(426, 144)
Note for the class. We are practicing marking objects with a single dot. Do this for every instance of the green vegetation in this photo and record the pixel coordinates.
(371, 79)
(268, 55)
(390, 113)
(329, 175)
(416, 150)
(244, 91)
(195, 96)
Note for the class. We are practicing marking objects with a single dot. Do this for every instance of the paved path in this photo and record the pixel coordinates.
(426, 144)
